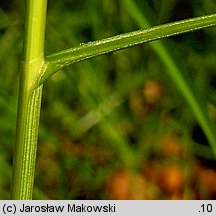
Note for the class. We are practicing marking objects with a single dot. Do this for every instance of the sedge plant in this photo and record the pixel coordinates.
(36, 69)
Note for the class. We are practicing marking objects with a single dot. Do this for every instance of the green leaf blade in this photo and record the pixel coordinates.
(57, 61)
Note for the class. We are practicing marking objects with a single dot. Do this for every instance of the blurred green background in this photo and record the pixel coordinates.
(113, 127)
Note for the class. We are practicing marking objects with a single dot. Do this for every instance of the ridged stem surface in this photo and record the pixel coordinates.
(29, 101)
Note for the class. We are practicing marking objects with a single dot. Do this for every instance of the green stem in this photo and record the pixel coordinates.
(29, 101)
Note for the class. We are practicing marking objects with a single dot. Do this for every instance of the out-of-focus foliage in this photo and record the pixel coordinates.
(113, 127)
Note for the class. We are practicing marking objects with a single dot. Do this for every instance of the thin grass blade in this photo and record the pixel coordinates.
(180, 79)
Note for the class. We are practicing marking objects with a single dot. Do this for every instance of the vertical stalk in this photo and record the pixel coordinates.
(29, 101)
